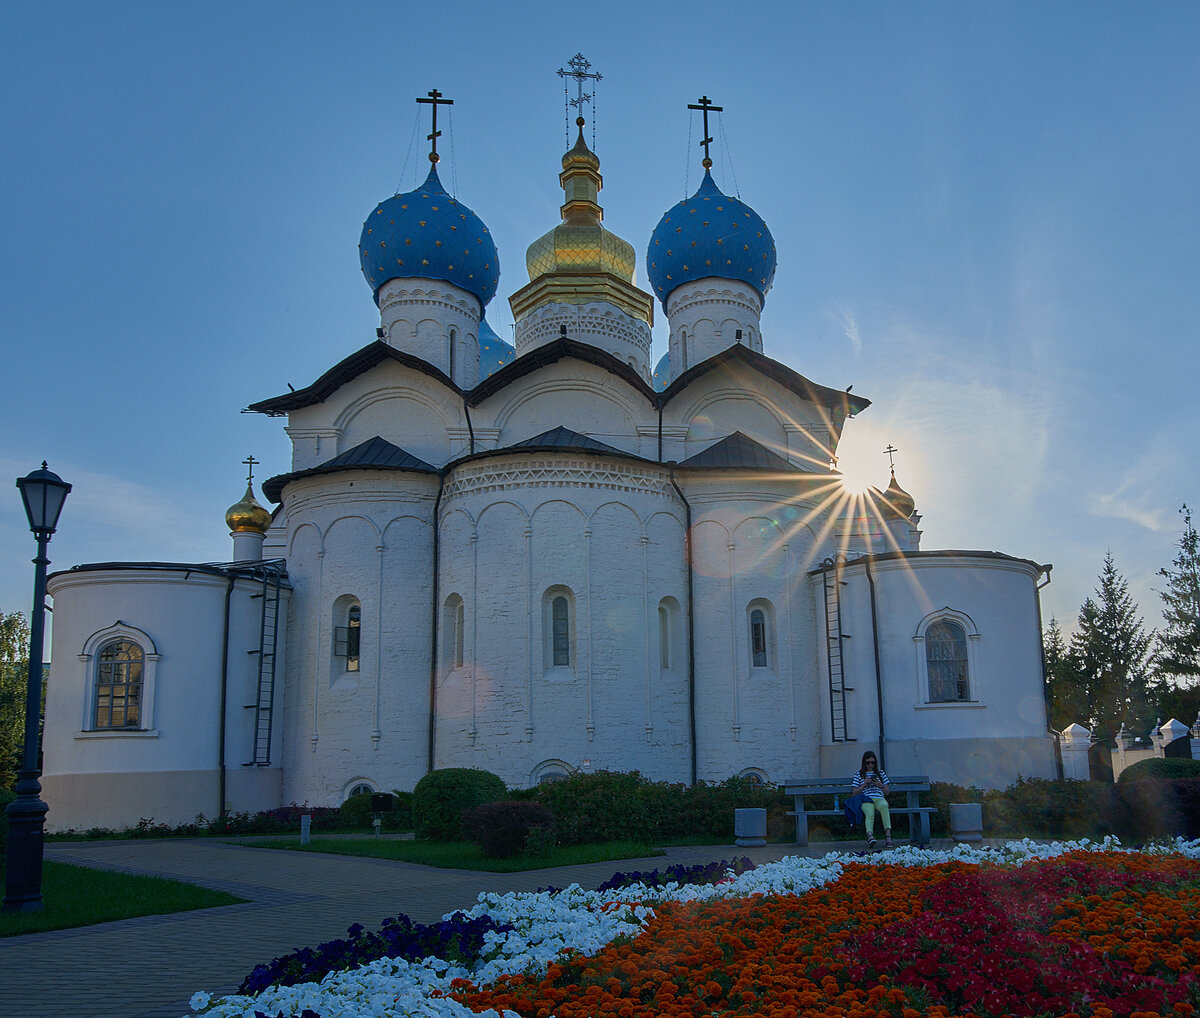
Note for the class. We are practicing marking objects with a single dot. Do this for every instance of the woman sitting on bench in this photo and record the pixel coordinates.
(872, 784)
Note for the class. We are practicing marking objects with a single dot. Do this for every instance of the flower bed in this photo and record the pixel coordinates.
(1061, 929)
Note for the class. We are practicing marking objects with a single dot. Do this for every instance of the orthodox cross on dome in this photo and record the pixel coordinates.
(890, 452)
(580, 72)
(250, 461)
(706, 105)
(435, 100)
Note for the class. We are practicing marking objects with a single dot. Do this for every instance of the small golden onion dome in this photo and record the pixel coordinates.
(897, 504)
(580, 245)
(247, 516)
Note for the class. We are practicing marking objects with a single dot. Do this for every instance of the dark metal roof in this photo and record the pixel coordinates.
(258, 569)
(738, 451)
(343, 372)
(945, 553)
(564, 438)
(837, 399)
(374, 454)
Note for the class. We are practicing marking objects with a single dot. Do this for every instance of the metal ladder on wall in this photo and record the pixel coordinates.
(264, 705)
(831, 574)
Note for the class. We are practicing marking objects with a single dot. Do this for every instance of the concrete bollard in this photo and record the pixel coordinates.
(750, 827)
(966, 822)
(305, 828)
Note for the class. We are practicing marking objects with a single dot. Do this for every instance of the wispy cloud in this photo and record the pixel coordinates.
(845, 318)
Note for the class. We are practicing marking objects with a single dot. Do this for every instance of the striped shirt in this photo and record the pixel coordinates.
(872, 792)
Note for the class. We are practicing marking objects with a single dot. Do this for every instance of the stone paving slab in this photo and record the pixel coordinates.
(148, 967)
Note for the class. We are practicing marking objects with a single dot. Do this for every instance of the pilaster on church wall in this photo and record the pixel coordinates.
(364, 536)
(749, 554)
(608, 535)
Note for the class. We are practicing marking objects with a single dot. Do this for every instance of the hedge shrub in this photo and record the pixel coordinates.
(503, 828)
(441, 796)
(356, 812)
(1162, 768)
(1140, 810)
(625, 806)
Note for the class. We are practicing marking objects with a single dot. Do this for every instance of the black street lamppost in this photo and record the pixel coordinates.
(44, 493)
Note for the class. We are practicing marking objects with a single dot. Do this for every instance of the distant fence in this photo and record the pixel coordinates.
(1084, 759)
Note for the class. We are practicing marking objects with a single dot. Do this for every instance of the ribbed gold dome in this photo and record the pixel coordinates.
(247, 516)
(897, 503)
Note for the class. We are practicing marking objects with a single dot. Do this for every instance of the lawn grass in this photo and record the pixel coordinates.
(463, 855)
(82, 896)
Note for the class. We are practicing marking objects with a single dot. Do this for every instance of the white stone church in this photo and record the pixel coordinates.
(546, 559)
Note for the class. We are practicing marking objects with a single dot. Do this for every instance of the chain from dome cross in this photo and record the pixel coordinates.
(705, 105)
(435, 100)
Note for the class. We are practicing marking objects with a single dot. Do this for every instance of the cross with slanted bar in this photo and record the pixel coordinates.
(250, 461)
(891, 451)
(705, 105)
(435, 100)
(579, 71)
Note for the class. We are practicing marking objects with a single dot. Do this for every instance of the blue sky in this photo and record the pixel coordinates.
(986, 215)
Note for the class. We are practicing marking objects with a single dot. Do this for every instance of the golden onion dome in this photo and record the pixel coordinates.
(897, 504)
(580, 245)
(247, 516)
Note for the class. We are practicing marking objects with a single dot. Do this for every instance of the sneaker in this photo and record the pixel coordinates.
(870, 843)
(888, 843)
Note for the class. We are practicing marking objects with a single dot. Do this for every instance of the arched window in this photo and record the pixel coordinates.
(946, 661)
(760, 618)
(347, 632)
(362, 788)
(118, 686)
(683, 351)
(558, 628)
(560, 621)
(758, 638)
(452, 633)
(670, 656)
(453, 344)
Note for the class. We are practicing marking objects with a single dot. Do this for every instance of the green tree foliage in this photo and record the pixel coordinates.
(1111, 650)
(1177, 649)
(1064, 685)
(14, 670)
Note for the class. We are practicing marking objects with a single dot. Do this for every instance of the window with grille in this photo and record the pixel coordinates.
(119, 686)
(946, 660)
(560, 622)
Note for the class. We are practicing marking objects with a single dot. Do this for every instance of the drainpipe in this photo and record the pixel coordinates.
(691, 618)
(433, 628)
(1037, 607)
(224, 697)
(470, 430)
(875, 646)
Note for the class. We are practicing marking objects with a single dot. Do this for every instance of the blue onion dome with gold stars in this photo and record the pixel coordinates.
(710, 234)
(662, 373)
(428, 234)
(494, 353)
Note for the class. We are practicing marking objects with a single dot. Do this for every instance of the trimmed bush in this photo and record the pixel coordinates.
(1162, 768)
(1141, 810)
(1041, 808)
(503, 828)
(356, 812)
(441, 796)
(625, 806)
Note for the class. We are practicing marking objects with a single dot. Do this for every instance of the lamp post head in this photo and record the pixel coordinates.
(43, 493)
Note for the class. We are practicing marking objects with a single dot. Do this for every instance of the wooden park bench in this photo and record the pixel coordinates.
(911, 785)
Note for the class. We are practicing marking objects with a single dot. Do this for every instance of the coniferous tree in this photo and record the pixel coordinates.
(1064, 688)
(1177, 649)
(1111, 650)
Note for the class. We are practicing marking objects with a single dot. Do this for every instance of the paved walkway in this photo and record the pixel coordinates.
(150, 966)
